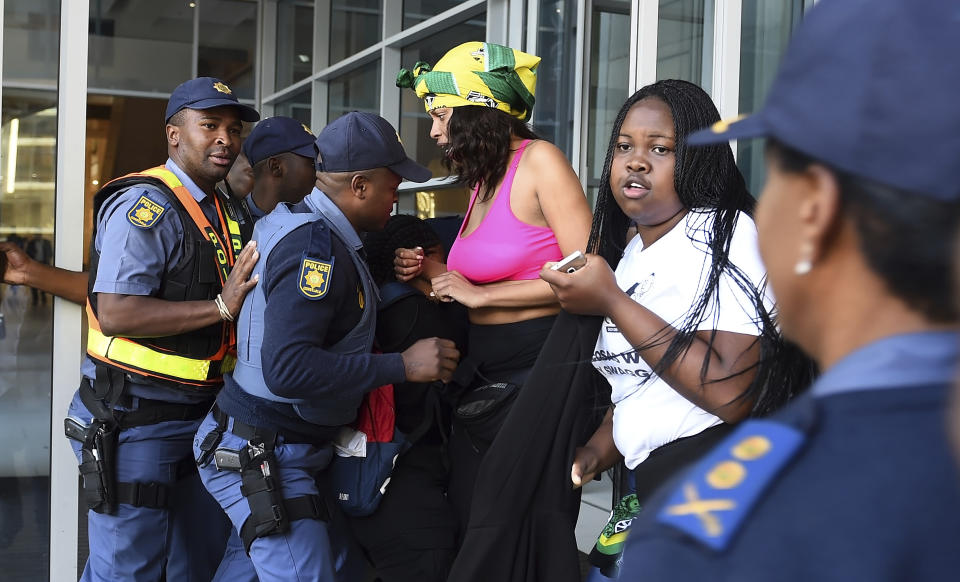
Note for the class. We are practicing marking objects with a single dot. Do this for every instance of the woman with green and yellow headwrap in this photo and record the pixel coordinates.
(527, 208)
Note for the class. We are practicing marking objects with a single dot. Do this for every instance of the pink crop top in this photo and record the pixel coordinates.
(502, 248)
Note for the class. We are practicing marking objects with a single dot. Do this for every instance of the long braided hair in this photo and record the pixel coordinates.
(706, 179)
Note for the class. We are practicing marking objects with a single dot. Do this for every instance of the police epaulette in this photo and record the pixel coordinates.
(716, 495)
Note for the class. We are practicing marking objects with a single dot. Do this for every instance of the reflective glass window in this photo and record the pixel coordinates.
(228, 43)
(354, 25)
(556, 78)
(294, 42)
(357, 90)
(685, 41)
(31, 41)
(140, 45)
(296, 106)
(609, 75)
(416, 11)
(765, 30)
(28, 142)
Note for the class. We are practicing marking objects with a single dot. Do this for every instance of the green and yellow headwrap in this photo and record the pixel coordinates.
(477, 73)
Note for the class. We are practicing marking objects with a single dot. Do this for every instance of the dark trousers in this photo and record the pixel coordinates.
(502, 353)
(664, 462)
(411, 536)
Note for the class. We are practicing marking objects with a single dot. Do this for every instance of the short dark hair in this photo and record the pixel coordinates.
(906, 237)
(178, 118)
(479, 147)
(401, 231)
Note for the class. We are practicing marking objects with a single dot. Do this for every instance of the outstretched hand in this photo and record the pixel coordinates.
(408, 263)
(452, 286)
(430, 359)
(13, 264)
(586, 465)
(239, 283)
(590, 290)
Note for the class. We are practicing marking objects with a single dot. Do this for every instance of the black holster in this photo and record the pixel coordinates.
(98, 455)
(261, 487)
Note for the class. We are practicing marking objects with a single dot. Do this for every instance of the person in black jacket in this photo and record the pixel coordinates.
(413, 533)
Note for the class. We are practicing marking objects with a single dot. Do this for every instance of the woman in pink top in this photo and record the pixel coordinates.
(527, 208)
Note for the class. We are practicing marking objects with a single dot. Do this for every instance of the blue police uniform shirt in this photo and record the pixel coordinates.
(294, 354)
(854, 480)
(255, 212)
(133, 259)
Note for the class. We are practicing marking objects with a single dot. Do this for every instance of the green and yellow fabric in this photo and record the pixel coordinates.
(477, 73)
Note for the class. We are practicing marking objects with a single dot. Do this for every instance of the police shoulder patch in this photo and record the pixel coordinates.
(145, 213)
(315, 277)
(716, 495)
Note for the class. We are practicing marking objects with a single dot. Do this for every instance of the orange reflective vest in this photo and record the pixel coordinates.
(197, 359)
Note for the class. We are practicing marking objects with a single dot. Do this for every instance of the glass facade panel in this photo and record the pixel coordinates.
(416, 11)
(140, 45)
(609, 75)
(556, 85)
(228, 43)
(354, 25)
(296, 106)
(685, 41)
(294, 42)
(765, 30)
(358, 90)
(31, 41)
(28, 138)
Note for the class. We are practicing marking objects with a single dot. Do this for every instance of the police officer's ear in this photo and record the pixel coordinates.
(819, 209)
(358, 185)
(275, 166)
(173, 134)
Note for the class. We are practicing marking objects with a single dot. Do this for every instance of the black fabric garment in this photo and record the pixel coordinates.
(411, 536)
(524, 508)
(666, 461)
(498, 353)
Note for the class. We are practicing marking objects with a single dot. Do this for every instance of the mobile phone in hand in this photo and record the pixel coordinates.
(571, 262)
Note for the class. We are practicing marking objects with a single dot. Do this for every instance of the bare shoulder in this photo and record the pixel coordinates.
(542, 154)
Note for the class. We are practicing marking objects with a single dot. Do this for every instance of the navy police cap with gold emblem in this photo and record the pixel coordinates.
(869, 87)
(206, 93)
(277, 135)
(364, 141)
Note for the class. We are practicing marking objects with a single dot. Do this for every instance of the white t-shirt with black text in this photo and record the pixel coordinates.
(668, 278)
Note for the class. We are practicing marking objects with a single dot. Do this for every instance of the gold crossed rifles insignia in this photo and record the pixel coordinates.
(702, 509)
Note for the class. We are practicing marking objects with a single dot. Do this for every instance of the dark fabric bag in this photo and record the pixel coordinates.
(482, 410)
(359, 483)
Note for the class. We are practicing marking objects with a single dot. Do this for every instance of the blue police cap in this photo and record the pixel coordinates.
(205, 93)
(364, 141)
(869, 87)
(277, 135)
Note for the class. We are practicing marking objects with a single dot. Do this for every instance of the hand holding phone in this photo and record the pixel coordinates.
(571, 262)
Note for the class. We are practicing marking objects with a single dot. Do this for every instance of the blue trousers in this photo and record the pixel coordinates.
(311, 550)
(185, 541)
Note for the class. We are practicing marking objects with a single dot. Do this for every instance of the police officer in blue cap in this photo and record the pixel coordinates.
(853, 480)
(168, 273)
(282, 154)
(304, 354)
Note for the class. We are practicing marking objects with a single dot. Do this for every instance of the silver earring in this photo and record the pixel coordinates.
(802, 267)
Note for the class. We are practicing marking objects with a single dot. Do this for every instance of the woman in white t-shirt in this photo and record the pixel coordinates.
(688, 343)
